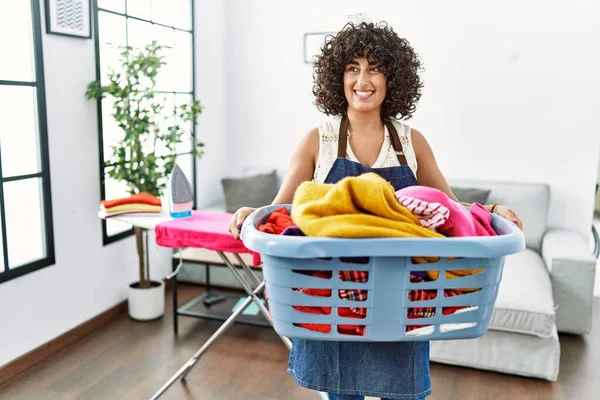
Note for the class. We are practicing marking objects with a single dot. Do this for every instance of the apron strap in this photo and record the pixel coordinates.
(396, 142)
(343, 137)
(343, 140)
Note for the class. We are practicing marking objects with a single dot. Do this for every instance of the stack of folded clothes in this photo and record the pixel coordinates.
(138, 203)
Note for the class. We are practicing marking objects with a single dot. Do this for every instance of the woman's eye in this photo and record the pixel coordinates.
(376, 69)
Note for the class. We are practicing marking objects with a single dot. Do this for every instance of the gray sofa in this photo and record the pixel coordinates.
(546, 289)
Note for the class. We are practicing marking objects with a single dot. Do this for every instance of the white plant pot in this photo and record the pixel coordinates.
(146, 304)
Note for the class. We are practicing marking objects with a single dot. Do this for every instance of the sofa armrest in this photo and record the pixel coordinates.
(572, 270)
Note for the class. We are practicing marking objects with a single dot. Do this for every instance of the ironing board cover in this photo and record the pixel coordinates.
(204, 229)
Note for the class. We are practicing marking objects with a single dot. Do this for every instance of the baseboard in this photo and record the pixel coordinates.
(16, 367)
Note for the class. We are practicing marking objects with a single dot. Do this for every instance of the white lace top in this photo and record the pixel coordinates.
(328, 148)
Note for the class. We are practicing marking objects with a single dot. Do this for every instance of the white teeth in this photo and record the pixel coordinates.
(363, 94)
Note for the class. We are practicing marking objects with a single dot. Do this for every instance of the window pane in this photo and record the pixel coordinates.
(140, 8)
(140, 33)
(186, 145)
(174, 13)
(177, 73)
(19, 133)
(16, 40)
(113, 5)
(181, 14)
(24, 224)
(111, 133)
(115, 190)
(112, 34)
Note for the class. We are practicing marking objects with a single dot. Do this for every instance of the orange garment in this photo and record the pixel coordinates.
(277, 222)
(139, 198)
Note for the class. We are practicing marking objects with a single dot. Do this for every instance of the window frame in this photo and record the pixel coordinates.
(106, 239)
(44, 174)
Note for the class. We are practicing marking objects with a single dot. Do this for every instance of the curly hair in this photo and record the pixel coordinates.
(379, 44)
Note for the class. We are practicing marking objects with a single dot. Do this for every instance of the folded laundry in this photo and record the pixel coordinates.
(137, 203)
(138, 198)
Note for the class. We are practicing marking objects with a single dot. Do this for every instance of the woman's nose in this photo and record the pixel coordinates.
(363, 79)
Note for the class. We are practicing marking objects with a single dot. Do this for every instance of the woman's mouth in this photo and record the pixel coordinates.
(364, 94)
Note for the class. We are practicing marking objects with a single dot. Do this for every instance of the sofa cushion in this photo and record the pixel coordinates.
(471, 195)
(529, 200)
(525, 303)
(505, 352)
(251, 191)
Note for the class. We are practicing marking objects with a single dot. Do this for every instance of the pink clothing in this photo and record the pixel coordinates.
(459, 222)
(431, 215)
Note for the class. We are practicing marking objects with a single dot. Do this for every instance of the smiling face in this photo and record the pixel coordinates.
(364, 85)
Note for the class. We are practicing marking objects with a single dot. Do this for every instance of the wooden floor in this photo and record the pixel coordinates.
(131, 360)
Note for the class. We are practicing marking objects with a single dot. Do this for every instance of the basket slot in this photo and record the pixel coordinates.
(422, 295)
(347, 312)
(314, 273)
(420, 312)
(353, 295)
(420, 330)
(458, 309)
(447, 328)
(354, 276)
(461, 273)
(318, 328)
(351, 330)
(460, 291)
(422, 276)
(482, 313)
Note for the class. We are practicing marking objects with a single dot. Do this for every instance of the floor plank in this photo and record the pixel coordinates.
(131, 360)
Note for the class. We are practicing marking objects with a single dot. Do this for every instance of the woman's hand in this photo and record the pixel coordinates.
(507, 213)
(235, 224)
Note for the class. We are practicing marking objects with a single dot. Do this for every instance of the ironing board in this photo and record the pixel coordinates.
(208, 230)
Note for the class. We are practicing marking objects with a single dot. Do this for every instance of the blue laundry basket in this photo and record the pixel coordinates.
(390, 266)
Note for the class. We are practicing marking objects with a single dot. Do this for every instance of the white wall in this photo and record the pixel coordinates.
(511, 90)
(211, 86)
(87, 278)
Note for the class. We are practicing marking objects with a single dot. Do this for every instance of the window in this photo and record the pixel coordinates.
(136, 23)
(26, 238)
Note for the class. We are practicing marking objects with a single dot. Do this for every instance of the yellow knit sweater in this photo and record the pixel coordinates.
(355, 207)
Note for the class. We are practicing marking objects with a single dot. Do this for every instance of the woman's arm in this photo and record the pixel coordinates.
(300, 169)
(428, 172)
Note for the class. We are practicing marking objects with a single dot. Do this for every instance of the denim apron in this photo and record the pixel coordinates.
(391, 370)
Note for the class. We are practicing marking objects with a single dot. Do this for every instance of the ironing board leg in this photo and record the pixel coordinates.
(247, 269)
(248, 290)
(185, 369)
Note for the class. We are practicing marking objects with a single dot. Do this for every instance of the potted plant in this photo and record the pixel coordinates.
(146, 153)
